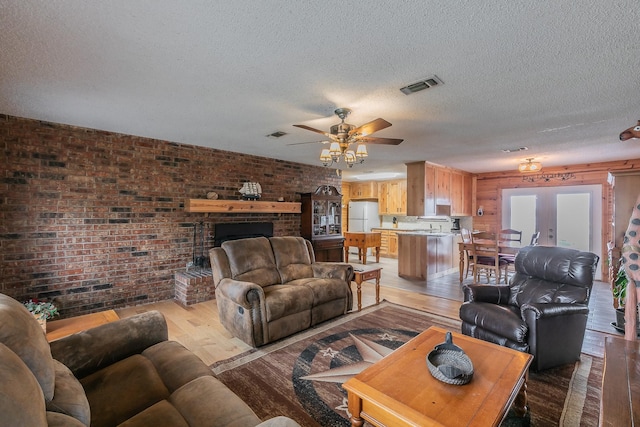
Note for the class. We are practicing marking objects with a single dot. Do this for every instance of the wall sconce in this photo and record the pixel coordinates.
(480, 210)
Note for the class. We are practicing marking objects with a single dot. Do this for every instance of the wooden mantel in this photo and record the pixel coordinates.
(240, 206)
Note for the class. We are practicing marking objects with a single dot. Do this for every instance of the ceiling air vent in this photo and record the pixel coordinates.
(421, 85)
(276, 134)
(514, 150)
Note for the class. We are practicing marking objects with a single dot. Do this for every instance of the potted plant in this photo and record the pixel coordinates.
(619, 290)
(42, 311)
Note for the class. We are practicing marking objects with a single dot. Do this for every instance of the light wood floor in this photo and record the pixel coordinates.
(197, 327)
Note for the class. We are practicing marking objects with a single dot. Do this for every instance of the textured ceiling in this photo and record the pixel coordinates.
(561, 78)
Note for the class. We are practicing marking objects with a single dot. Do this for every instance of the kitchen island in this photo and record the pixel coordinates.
(423, 254)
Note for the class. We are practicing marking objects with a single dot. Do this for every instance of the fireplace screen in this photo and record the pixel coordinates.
(242, 230)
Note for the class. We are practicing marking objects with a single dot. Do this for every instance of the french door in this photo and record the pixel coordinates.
(569, 216)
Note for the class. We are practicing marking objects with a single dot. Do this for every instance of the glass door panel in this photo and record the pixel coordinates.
(573, 221)
(569, 217)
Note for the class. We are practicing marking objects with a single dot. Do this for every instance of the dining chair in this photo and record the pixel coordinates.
(483, 235)
(534, 239)
(511, 235)
(487, 258)
(465, 234)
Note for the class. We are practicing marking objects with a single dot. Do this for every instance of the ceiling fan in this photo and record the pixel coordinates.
(342, 135)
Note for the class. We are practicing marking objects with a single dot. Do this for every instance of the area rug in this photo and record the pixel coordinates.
(301, 376)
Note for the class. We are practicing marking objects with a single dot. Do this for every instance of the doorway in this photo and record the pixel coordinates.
(568, 216)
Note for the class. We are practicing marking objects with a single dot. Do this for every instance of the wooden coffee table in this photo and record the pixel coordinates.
(399, 390)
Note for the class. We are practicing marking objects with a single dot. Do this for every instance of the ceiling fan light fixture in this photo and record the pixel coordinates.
(334, 149)
(530, 166)
(350, 157)
(344, 136)
(325, 157)
(361, 151)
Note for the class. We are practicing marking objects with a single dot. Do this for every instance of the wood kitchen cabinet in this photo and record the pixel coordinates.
(364, 190)
(392, 197)
(346, 195)
(443, 187)
(388, 242)
(393, 244)
(321, 223)
(424, 256)
(461, 193)
(434, 190)
(421, 189)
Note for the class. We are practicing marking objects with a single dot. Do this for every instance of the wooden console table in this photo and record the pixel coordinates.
(360, 276)
(362, 241)
(620, 402)
(61, 328)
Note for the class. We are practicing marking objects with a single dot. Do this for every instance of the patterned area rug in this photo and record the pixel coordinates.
(301, 376)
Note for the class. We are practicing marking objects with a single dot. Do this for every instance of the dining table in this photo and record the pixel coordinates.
(504, 247)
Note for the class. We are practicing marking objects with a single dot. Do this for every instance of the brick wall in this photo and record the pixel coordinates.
(96, 219)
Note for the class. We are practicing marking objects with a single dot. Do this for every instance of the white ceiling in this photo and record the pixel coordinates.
(559, 77)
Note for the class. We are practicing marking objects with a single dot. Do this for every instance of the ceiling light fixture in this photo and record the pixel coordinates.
(530, 166)
(338, 150)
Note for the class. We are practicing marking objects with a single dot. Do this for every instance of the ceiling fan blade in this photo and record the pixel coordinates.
(371, 127)
(374, 140)
(314, 130)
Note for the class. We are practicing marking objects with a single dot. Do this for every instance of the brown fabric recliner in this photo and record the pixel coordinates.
(123, 373)
(543, 310)
(270, 288)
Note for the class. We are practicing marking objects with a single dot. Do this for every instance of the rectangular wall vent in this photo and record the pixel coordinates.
(421, 85)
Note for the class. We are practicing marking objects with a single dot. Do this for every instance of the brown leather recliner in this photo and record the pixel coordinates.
(543, 310)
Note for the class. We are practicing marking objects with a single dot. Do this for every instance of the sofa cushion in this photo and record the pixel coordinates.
(284, 300)
(324, 290)
(175, 364)
(531, 290)
(162, 413)
(21, 332)
(69, 397)
(252, 260)
(501, 320)
(225, 409)
(119, 391)
(56, 419)
(292, 258)
(21, 399)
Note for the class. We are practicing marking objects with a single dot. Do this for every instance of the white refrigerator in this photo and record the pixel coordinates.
(363, 216)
